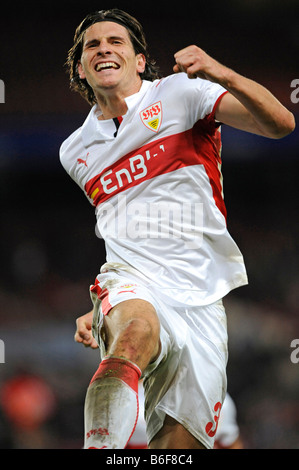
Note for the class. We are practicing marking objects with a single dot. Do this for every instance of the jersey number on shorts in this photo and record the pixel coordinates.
(209, 427)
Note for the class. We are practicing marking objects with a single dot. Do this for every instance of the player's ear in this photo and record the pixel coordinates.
(80, 70)
(140, 63)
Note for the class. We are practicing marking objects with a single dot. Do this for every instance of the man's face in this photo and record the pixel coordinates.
(108, 61)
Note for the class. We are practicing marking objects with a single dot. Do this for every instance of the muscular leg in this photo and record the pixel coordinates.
(174, 436)
(132, 332)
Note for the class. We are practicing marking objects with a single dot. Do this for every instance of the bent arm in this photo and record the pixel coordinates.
(251, 107)
(248, 106)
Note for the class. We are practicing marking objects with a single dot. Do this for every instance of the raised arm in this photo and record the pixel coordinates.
(248, 106)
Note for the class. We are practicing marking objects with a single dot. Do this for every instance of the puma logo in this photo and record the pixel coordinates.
(81, 160)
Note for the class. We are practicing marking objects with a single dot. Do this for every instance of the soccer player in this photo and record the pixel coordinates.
(148, 159)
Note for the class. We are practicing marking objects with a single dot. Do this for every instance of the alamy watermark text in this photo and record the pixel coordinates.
(2, 92)
(2, 352)
(295, 353)
(295, 92)
(151, 220)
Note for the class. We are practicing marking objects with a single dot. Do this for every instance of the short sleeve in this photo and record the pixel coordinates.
(200, 96)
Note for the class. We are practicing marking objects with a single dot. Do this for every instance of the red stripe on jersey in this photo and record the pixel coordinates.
(103, 295)
(211, 160)
(200, 145)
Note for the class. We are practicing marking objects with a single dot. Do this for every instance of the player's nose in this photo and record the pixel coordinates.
(104, 48)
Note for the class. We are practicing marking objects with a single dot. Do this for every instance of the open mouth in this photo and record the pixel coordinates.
(106, 66)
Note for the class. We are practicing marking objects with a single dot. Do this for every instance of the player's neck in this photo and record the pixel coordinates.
(113, 104)
(112, 108)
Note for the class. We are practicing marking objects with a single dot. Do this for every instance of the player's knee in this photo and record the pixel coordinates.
(144, 332)
(138, 341)
(132, 330)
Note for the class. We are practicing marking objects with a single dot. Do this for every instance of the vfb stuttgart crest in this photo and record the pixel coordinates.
(152, 116)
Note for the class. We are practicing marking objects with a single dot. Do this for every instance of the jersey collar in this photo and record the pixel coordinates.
(94, 130)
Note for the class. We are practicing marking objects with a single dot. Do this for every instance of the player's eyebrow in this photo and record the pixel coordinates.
(91, 41)
(118, 38)
(95, 41)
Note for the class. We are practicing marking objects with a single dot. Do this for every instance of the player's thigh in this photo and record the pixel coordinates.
(135, 323)
(174, 436)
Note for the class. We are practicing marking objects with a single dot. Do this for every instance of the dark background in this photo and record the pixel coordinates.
(50, 253)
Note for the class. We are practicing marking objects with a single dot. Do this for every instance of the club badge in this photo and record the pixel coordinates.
(152, 116)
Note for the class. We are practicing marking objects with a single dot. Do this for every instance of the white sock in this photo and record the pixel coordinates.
(111, 405)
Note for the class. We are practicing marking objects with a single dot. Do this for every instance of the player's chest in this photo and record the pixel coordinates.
(129, 144)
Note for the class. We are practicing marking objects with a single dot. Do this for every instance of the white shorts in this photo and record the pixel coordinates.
(188, 380)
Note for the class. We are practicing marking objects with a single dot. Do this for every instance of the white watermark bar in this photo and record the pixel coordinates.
(2, 352)
(2, 92)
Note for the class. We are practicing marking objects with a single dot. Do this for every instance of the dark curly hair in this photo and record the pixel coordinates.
(137, 37)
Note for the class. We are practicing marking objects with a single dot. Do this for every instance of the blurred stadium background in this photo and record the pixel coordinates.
(49, 251)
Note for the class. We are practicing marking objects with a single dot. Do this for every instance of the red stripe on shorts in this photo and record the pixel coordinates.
(103, 295)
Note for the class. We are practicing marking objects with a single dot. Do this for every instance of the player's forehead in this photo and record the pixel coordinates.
(106, 29)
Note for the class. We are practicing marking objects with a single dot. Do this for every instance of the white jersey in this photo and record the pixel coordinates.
(154, 177)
